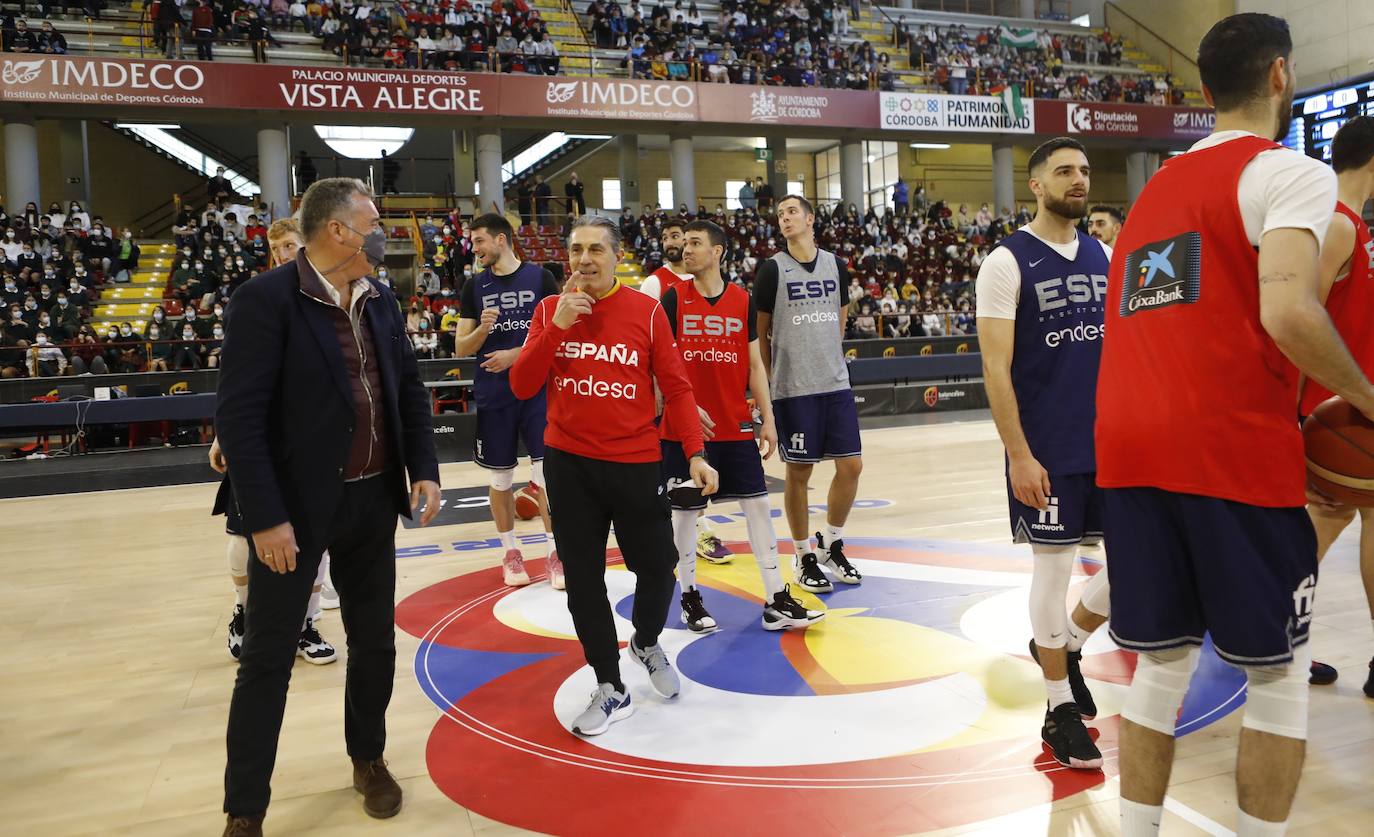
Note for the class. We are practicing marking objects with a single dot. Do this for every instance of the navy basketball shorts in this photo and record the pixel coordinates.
(1074, 514)
(233, 522)
(738, 463)
(500, 430)
(816, 427)
(1183, 565)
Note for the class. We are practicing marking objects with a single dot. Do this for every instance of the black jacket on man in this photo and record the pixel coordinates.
(285, 415)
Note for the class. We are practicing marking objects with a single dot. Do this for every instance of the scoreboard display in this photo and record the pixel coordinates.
(1317, 116)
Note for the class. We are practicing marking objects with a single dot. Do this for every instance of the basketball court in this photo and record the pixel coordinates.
(912, 708)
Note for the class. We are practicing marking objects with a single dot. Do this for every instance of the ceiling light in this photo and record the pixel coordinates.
(934, 146)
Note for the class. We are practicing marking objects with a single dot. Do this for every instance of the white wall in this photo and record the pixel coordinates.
(1332, 39)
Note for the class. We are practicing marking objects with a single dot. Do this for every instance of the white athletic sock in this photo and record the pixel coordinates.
(507, 540)
(313, 608)
(832, 534)
(810, 545)
(241, 595)
(704, 527)
(549, 546)
(758, 520)
(1078, 636)
(1248, 826)
(1139, 819)
(1058, 692)
(685, 539)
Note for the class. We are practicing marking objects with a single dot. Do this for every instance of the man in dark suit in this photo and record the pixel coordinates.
(322, 418)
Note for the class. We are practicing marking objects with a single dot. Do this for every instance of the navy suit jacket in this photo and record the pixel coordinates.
(285, 412)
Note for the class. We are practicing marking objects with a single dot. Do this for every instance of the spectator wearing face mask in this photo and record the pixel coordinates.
(159, 349)
(66, 318)
(427, 283)
(211, 350)
(426, 342)
(232, 227)
(187, 353)
(77, 219)
(11, 245)
(10, 292)
(29, 259)
(17, 327)
(129, 348)
(158, 318)
(199, 326)
(125, 260)
(78, 295)
(99, 250)
(86, 356)
(46, 360)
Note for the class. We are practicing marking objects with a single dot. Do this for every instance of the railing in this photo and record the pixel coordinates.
(948, 318)
(135, 350)
(1178, 62)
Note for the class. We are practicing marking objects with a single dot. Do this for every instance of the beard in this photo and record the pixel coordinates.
(672, 254)
(1067, 207)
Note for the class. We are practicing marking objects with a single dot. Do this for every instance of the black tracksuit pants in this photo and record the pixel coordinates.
(587, 496)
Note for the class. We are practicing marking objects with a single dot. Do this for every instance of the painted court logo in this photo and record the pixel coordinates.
(1163, 273)
(949, 722)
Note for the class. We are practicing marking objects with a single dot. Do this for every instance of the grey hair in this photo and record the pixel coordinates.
(606, 225)
(326, 199)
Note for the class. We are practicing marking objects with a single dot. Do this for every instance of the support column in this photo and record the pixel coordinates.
(1137, 172)
(21, 162)
(684, 173)
(905, 4)
(629, 172)
(778, 175)
(464, 164)
(274, 170)
(1027, 9)
(1003, 179)
(75, 160)
(852, 173)
(490, 190)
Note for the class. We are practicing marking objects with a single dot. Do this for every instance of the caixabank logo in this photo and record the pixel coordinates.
(911, 707)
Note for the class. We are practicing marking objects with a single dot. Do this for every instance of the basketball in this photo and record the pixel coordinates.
(1340, 452)
(527, 502)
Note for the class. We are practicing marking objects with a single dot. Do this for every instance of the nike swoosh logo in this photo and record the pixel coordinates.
(1038, 261)
(1056, 636)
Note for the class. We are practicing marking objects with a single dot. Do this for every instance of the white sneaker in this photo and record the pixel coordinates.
(513, 569)
(313, 648)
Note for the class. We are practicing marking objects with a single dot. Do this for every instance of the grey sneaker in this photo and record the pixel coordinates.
(655, 661)
(607, 707)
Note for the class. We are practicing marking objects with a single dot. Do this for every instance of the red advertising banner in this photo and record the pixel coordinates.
(133, 82)
(125, 82)
(1113, 119)
(814, 106)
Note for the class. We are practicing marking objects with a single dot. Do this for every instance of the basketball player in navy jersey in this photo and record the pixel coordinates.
(715, 324)
(495, 307)
(1040, 297)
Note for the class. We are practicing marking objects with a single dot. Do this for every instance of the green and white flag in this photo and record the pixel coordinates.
(1018, 38)
(1011, 102)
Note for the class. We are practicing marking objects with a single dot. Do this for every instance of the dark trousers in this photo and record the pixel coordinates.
(587, 496)
(362, 549)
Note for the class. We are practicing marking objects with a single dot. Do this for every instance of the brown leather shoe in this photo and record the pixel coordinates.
(381, 794)
(243, 826)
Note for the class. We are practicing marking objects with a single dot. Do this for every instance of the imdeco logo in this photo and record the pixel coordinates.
(560, 92)
(21, 72)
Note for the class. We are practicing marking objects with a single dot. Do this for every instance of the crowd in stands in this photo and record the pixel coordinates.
(53, 266)
(794, 43)
(16, 35)
(1047, 65)
(507, 36)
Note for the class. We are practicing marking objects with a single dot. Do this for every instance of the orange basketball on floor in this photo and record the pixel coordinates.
(527, 503)
(1340, 452)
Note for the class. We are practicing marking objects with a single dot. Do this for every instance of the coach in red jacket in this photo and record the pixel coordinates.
(600, 348)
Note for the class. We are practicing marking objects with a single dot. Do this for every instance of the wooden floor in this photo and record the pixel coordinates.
(114, 680)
